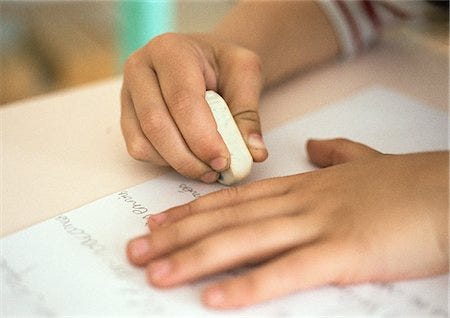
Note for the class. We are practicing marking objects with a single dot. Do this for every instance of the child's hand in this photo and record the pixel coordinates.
(165, 118)
(367, 217)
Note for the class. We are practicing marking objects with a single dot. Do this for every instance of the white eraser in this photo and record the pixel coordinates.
(241, 159)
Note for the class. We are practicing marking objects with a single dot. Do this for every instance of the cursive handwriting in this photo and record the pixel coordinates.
(183, 188)
(98, 249)
(136, 208)
(85, 238)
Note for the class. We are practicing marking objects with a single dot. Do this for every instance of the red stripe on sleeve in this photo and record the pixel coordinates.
(396, 11)
(352, 23)
(372, 14)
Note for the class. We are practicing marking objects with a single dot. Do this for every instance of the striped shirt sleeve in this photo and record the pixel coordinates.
(359, 23)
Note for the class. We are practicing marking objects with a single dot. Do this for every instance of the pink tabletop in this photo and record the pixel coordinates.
(61, 151)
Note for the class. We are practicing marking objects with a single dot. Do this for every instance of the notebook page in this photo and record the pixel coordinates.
(74, 264)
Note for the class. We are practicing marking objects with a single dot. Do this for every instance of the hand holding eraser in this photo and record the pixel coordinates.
(241, 159)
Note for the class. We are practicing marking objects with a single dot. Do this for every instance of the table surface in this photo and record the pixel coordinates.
(61, 151)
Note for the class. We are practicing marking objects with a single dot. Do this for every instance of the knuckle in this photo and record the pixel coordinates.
(198, 142)
(203, 252)
(187, 168)
(230, 216)
(162, 45)
(181, 101)
(170, 238)
(247, 115)
(132, 62)
(152, 123)
(138, 149)
(164, 240)
(163, 40)
(249, 61)
(175, 235)
(230, 194)
(190, 208)
(204, 148)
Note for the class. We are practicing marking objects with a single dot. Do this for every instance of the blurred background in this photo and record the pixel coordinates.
(51, 45)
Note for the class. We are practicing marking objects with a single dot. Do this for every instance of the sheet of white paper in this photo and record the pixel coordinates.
(74, 264)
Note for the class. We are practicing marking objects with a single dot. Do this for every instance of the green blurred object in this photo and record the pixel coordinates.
(141, 21)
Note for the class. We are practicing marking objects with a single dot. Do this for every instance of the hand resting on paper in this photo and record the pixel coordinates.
(364, 217)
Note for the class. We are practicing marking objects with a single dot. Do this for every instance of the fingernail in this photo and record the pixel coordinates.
(219, 164)
(210, 177)
(159, 218)
(159, 270)
(214, 297)
(256, 141)
(139, 248)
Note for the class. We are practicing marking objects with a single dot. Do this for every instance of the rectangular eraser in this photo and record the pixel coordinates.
(241, 159)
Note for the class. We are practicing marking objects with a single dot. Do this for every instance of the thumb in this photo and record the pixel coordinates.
(325, 153)
(240, 85)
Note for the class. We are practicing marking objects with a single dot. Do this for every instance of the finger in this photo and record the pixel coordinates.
(314, 265)
(159, 127)
(331, 152)
(182, 81)
(240, 86)
(168, 239)
(230, 249)
(138, 145)
(223, 198)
